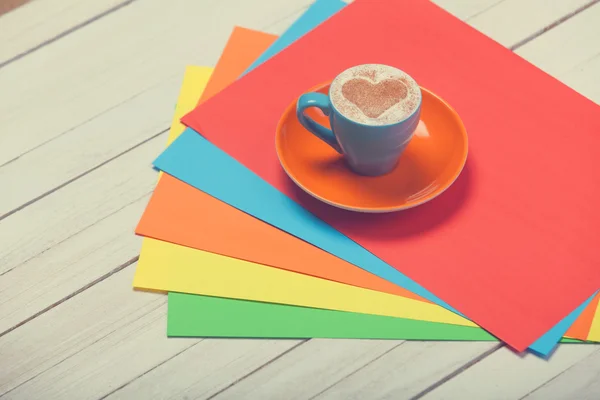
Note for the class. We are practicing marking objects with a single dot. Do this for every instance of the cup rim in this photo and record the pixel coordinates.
(411, 115)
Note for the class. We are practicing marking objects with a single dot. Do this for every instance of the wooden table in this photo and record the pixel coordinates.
(87, 89)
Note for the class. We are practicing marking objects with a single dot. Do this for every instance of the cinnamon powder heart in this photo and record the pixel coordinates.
(373, 99)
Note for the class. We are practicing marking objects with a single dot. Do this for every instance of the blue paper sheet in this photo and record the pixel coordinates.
(191, 155)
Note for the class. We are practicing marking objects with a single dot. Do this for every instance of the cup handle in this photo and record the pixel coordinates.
(322, 102)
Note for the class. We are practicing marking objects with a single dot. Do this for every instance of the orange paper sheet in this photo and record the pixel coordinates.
(243, 47)
(203, 222)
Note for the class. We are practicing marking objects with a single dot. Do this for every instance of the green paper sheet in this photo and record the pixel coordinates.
(203, 316)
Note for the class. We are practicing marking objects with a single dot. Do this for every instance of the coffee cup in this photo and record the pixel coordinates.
(374, 110)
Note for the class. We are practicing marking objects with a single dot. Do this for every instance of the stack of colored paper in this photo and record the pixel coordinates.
(242, 253)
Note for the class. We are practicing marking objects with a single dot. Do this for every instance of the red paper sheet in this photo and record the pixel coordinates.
(512, 244)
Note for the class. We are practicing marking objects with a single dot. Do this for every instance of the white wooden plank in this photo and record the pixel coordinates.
(203, 370)
(466, 9)
(105, 337)
(308, 370)
(568, 46)
(109, 308)
(407, 370)
(511, 21)
(354, 369)
(78, 206)
(100, 363)
(580, 77)
(39, 21)
(506, 376)
(69, 265)
(92, 143)
(280, 26)
(581, 382)
(113, 59)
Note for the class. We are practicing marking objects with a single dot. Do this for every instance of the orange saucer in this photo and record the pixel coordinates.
(430, 164)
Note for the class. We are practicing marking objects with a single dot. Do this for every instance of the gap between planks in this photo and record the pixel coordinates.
(61, 32)
(347, 376)
(553, 25)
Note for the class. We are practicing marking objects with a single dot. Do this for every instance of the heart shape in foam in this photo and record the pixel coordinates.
(373, 99)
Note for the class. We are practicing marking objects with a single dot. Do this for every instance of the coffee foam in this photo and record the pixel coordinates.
(376, 88)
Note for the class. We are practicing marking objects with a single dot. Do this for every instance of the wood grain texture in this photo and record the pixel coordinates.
(506, 376)
(579, 78)
(511, 21)
(205, 369)
(570, 52)
(75, 329)
(72, 264)
(76, 207)
(408, 370)
(110, 336)
(355, 370)
(41, 21)
(113, 59)
(467, 9)
(319, 362)
(89, 145)
(580, 381)
(109, 312)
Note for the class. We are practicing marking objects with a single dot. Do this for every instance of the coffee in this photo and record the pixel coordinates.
(375, 94)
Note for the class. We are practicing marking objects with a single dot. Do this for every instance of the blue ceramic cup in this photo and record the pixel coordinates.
(369, 150)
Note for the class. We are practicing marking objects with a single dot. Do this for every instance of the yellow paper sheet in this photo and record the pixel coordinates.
(594, 334)
(195, 80)
(168, 267)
